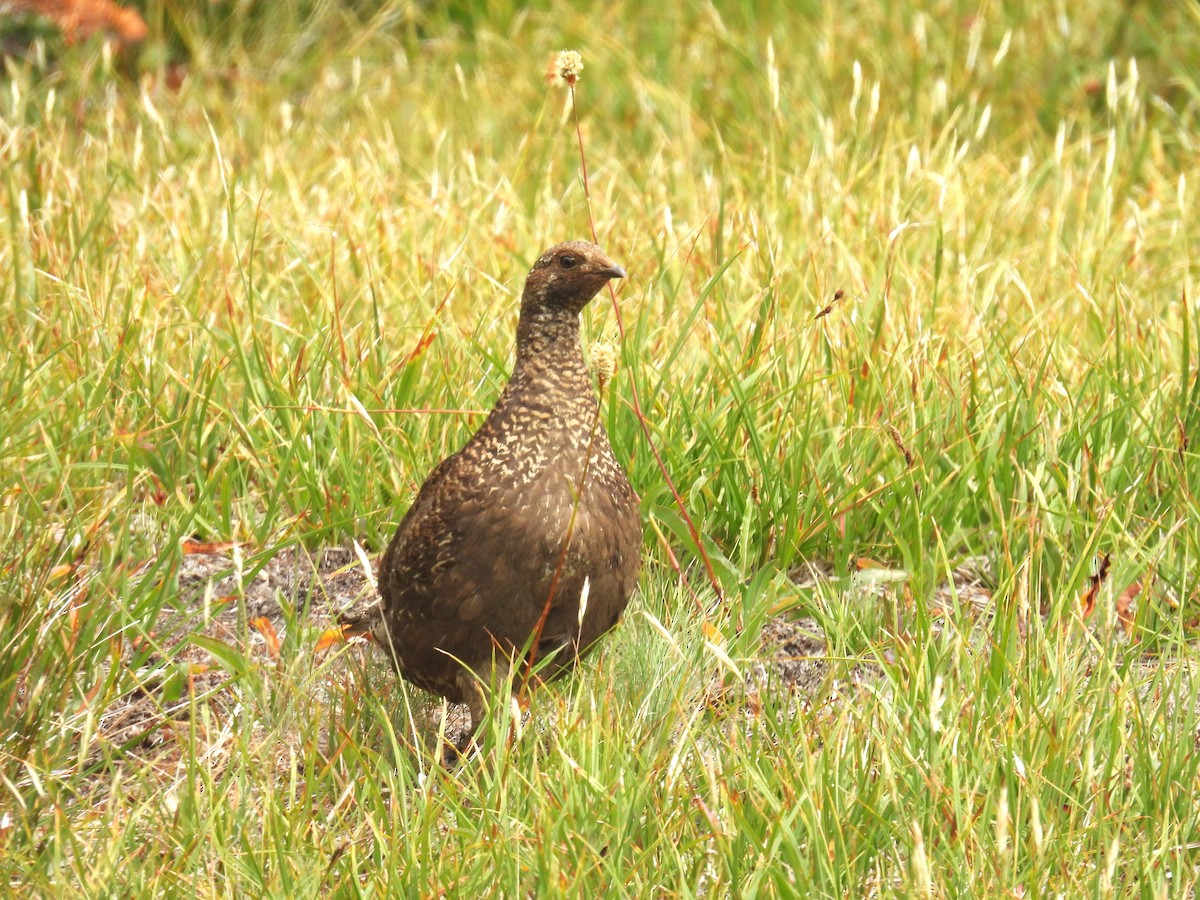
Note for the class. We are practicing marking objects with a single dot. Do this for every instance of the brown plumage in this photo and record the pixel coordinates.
(503, 536)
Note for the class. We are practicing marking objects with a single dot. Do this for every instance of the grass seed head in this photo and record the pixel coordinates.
(604, 362)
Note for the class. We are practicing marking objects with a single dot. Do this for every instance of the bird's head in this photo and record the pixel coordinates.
(567, 277)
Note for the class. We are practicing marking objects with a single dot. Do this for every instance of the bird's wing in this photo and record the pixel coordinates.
(414, 568)
(470, 551)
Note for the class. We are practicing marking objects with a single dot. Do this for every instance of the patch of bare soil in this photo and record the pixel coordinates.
(233, 608)
(795, 655)
(246, 603)
(224, 601)
(321, 585)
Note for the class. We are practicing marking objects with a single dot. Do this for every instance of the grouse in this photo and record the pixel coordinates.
(525, 545)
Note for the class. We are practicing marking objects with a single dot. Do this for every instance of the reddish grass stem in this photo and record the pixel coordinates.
(637, 402)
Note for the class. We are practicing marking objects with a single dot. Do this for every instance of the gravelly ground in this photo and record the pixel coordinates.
(221, 595)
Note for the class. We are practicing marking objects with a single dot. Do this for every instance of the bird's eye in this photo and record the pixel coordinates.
(567, 262)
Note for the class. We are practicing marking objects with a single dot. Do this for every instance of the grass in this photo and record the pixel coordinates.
(230, 310)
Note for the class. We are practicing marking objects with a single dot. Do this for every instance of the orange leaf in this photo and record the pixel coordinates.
(331, 636)
(431, 330)
(1087, 601)
(138, 642)
(192, 547)
(79, 19)
(422, 345)
(267, 630)
(712, 633)
(864, 563)
(1125, 604)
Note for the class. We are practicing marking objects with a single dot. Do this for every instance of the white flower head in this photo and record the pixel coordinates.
(565, 68)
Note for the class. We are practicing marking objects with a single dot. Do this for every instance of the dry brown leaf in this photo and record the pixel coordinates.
(264, 627)
(1087, 601)
(713, 822)
(90, 696)
(898, 440)
(1125, 612)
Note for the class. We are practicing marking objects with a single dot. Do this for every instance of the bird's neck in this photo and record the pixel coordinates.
(548, 345)
(549, 398)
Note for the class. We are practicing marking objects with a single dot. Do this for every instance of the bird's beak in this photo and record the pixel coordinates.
(612, 270)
